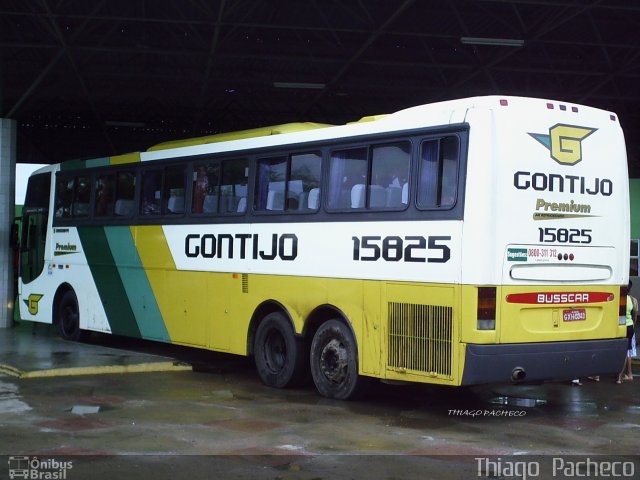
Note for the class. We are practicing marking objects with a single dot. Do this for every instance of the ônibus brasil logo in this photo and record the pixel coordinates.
(34, 468)
(564, 142)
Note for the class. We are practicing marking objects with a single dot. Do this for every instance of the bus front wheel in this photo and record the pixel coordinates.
(280, 356)
(334, 362)
(69, 317)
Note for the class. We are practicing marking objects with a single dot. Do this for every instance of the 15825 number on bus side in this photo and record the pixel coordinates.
(412, 248)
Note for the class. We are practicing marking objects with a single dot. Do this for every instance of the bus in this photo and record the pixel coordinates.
(473, 241)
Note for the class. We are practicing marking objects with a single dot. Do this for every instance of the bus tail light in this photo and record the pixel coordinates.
(486, 308)
(622, 311)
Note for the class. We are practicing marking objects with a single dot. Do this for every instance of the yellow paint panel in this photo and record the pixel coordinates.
(213, 310)
(520, 322)
(173, 295)
(372, 348)
(240, 135)
(125, 158)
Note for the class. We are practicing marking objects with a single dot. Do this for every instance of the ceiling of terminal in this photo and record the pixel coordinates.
(95, 78)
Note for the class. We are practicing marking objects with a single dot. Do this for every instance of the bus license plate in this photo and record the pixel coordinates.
(574, 315)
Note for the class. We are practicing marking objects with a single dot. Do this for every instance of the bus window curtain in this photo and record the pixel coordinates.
(428, 188)
(337, 178)
(262, 185)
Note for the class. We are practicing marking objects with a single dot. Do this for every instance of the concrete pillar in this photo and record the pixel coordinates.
(7, 213)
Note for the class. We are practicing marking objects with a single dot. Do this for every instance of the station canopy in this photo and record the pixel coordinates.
(91, 79)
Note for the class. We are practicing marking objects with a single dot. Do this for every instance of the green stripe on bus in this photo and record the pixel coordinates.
(110, 288)
(136, 284)
(79, 164)
(73, 165)
(98, 162)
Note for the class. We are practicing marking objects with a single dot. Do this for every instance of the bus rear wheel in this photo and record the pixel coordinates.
(334, 362)
(69, 317)
(280, 356)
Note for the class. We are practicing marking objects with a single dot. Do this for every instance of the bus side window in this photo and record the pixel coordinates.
(303, 187)
(104, 195)
(438, 185)
(206, 188)
(81, 197)
(151, 185)
(125, 189)
(347, 178)
(285, 183)
(174, 188)
(233, 191)
(64, 196)
(270, 183)
(389, 175)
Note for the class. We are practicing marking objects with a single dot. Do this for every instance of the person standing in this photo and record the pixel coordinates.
(632, 312)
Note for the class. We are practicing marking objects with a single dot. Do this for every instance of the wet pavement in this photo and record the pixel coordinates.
(218, 421)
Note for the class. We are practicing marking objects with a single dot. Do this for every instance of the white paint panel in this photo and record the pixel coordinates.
(402, 251)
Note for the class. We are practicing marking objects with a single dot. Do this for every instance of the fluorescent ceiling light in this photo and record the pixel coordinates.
(503, 42)
(307, 85)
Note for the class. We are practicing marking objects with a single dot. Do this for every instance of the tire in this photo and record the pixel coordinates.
(280, 356)
(69, 317)
(334, 362)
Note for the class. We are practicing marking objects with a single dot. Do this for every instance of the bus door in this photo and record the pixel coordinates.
(35, 217)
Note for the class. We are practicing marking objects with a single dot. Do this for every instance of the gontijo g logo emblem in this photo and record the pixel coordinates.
(32, 302)
(564, 142)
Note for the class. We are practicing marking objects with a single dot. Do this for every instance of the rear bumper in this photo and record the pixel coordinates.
(543, 361)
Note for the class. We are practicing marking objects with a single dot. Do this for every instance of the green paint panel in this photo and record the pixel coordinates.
(79, 164)
(98, 162)
(110, 288)
(136, 284)
(634, 193)
(73, 165)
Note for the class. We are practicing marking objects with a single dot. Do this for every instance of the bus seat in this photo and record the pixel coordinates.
(275, 200)
(357, 195)
(242, 205)
(394, 196)
(377, 196)
(405, 194)
(230, 204)
(210, 204)
(240, 189)
(175, 204)
(277, 186)
(295, 186)
(123, 207)
(303, 201)
(80, 209)
(313, 201)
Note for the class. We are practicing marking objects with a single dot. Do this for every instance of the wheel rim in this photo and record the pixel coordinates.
(334, 361)
(275, 351)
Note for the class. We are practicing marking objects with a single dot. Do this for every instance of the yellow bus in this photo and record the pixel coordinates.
(471, 241)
